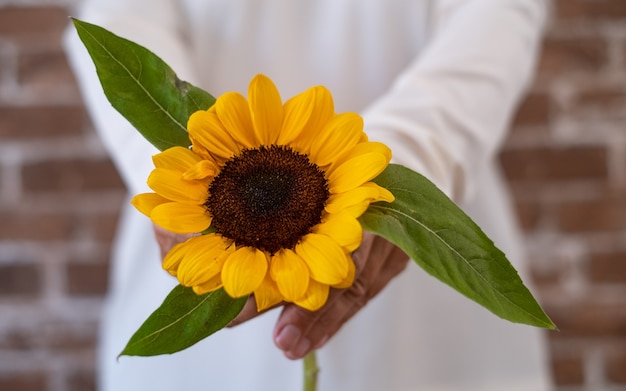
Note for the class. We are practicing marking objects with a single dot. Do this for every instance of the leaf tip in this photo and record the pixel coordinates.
(545, 322)
(124, 352)
(77, 22)
(552, 326)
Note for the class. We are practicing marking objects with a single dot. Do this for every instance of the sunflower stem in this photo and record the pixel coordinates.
(310, 371)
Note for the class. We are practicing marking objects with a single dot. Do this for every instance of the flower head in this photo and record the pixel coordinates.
(281, 186)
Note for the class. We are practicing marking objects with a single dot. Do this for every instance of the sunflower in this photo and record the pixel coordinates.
(275, 187)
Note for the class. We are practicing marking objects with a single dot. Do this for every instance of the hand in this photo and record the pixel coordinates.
(167, 239)
(299, 331)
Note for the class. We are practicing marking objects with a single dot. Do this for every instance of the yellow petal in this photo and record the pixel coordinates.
(209, 286)
(343, 228)
(383, 193)
(360, 149)
(341, 134)
(171, 185)
(181, 218)
(363, 163)
(203, 259)
(358, 209)
(146, 202)
(355, 172)
(174, 257)
(290, 273)
(201, 170)
(243, 271)
(206, 129)
(200, 149)
(338, 202)
(305, 116)
(357, 198)
(315, 296)
(349, 280)
(267, 294)
(325, 258)
(176, 158)
(234, 113)
(323, 111)
(297, 111)
(266, 109)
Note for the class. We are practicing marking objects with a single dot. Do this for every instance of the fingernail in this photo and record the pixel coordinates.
(288, 337)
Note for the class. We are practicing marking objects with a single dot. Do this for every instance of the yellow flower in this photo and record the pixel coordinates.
(280, 185)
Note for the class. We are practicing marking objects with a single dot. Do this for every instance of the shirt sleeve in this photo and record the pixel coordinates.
(160, 30)
(447, 114)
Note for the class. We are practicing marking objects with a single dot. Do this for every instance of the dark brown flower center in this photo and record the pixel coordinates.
(267, 198)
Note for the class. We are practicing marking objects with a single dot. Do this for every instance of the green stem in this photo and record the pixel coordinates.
(310, 371)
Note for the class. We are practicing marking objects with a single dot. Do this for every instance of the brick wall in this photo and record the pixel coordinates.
(59, 199)
(566, 163)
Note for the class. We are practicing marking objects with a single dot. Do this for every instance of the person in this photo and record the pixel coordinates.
(435, 80)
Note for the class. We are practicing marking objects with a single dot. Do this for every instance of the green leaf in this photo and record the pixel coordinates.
(183, 319)
(447, 244)
(143, 88)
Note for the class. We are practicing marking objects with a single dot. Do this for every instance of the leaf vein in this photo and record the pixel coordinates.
(162, 329)
(136, 80)
(454, 251)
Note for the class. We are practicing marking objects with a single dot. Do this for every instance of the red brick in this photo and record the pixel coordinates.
(589, 216)
(616, 368)
(534, 131)
(50, 335)
(567, 371)
(608, 267)
(22, 225)
(529, 214)
(534, 110)
(589, 319)
(17, 339)
(102, 227)
(20, 280)
(70, 176)
(587, 10)
(36, 227)
(601, 97)
(65, 336)
(545, 277)
(33, 24)
(606, 102)
(546, 164)
(87, 278)
(23, 382)
(564, 55)
(45, 66)
(81, 381)
(41, 121)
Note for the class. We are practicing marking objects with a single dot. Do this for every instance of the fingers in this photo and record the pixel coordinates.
(248, 312)
(289, 331)
(298, 331)
(167, 239)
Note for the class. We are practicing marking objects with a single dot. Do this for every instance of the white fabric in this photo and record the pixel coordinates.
(437, 81)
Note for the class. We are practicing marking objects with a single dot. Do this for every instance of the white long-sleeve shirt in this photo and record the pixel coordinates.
(435, 80)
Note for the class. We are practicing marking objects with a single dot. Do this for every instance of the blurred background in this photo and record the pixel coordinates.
(565, 160)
